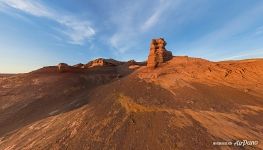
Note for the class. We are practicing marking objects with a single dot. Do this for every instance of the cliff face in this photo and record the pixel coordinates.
(158, 54)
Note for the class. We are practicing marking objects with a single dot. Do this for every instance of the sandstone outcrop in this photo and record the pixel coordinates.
(80, 65)
(63, 67)
(133, 62)
(100, 62)
(158, 54)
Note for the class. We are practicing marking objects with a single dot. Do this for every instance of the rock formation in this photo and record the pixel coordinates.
(102, 62)
(80, 65)
(158, 53)
(133, 62)
(63, 67)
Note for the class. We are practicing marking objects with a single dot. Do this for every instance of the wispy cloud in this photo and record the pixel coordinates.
(78, 31)
(135, 23)
(158, 12)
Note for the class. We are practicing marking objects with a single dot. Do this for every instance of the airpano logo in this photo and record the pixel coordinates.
(240, 143)
(245, 143)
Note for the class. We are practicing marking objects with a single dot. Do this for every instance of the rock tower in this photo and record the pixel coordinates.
(158, 54)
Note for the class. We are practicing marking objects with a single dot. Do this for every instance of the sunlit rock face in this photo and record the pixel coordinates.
(158, 54)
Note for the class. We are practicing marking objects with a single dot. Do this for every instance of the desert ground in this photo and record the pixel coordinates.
(184, 103)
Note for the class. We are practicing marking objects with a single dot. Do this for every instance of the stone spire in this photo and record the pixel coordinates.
(158, 54)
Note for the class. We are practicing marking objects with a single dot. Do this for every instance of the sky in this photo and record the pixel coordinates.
(37, 33)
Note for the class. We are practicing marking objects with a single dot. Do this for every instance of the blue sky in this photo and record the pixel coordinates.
(36, 33)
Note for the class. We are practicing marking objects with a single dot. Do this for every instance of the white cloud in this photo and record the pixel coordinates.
(122, 41)
(151, 21)
(158, 12)
(75, 29)
(132, 22)
(31, 7)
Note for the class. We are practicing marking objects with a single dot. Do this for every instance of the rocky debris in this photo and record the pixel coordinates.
(158, 54)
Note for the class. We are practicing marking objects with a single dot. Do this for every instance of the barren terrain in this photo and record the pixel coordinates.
(184, 103)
